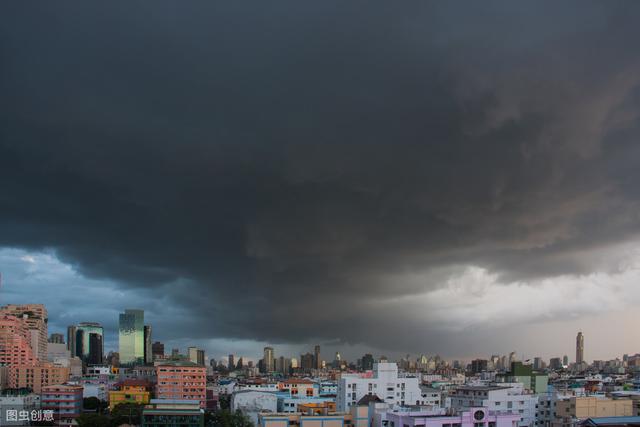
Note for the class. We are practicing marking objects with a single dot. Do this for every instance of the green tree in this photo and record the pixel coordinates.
(226, 418)
(94, 420)
(130, 413)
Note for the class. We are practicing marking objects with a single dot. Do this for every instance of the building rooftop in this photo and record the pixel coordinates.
(611, 421)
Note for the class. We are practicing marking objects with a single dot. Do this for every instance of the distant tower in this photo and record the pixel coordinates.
(269, 359)
(579, 348)
(316, 357)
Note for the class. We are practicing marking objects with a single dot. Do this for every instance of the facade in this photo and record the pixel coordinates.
(579, 348)
(56, 338)
(290, 404)
(181, 380)
(17, 400)
(163, 413)
(268, 359)
(385, 383)
(148, 351)
(89, 342)
(575, 409)
(356, 417)
(474, 417)
(130, 391)
(64, 400)
(196, 355)
(131, 337)
(316, 357)
(15, 342)
(253, 402)
(35, 377)
(157, 350)
(35, 319)
(503, 399)
(299, 387)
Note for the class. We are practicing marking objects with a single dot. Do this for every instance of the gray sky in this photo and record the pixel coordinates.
(453, 177)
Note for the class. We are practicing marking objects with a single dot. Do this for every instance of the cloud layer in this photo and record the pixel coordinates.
(290, 171)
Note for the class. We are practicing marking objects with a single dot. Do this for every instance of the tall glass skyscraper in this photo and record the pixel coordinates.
(81, 344)
(131, 337)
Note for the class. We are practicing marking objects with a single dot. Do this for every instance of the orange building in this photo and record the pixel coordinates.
(35, 377)
(181, 380)
(130, 391)
(35, 319)
(15, 342)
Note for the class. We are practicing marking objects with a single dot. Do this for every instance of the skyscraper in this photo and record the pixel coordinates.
(231, 364)
(95, 356)
(56, 339)
(157, 349)
(196, 355)
(269, 363)
(131, 337)
(148, 352)
(316, 357)
(71, 339)
(83, 347)
(579, 348)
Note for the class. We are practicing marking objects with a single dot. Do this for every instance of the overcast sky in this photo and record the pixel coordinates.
(452, 177)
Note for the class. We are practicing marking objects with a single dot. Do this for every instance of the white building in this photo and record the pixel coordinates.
(383, 382)
(430, 396)
(501, 399)
(18, 402)
(251, 403)
(289, 404)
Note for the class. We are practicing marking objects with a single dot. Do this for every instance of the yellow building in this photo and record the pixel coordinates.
(130, 391)
(570, 411)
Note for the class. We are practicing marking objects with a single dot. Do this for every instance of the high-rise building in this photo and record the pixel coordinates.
(240, 364)
(71, 339)
(565, 360)
(307, 362)
(231, 364)
(131, 337)
(316, 357)
(56, 339)
(196, 355)
(269, 362)
(83, 348)
(15, 342)
(579, 348)
(157, 349)
(96, 355)
(367, 362)
(36, 319)
(148, 352)
(181, 380)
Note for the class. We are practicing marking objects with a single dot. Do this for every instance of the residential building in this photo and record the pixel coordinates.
(315, 417)
(572, 411)
(384, 382)
(299, 387)
(17, 400)
(181, 380)
(268, 359)
(316, 357)
(167, 412)
(510, 398)
(64, 400)
(35, 377)
(35, 319)
(131, 337)
(473, 417)
(15, 342)
(130, 391)
(253, 402)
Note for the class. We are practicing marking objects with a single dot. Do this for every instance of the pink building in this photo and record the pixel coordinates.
(181, 380)
(475, 417)
(15, 342)
(64, 400)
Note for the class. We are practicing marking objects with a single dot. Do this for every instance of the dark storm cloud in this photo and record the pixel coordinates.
(275, 165)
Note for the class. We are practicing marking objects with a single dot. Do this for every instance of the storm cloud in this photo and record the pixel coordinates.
(286, 171)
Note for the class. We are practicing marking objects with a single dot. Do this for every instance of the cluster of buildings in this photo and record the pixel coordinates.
(46, 377)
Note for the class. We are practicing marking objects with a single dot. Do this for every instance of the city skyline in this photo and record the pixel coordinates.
(433, 178)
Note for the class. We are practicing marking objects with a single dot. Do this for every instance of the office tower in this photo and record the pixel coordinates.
(512, 358)
(307, 361)
(131, 337)
(213, 363)
(269, 363)
(56, 339)
(231, 364)
(283, 365)
(240, 364)
(148, 352)
(157, 350)
(95, 356)
(175, 352)
(83, 348)
(316, 357)
(196, 355)
(579, 348)
(71, 339)
(35, 319)
(294, 363)
(555, 363)
(538, 364)
(367, 362)
(479, 365)
(565, 360)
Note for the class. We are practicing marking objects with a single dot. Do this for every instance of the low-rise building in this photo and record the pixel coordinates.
(572, 411)
(130, 391)
(253, 402)
(474, 417)
(16, 401)
(64, 400)
(356, 417)
(171, 412)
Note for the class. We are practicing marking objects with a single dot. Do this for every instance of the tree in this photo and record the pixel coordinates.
(129, 413)
(226, 418)
(94, 420)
